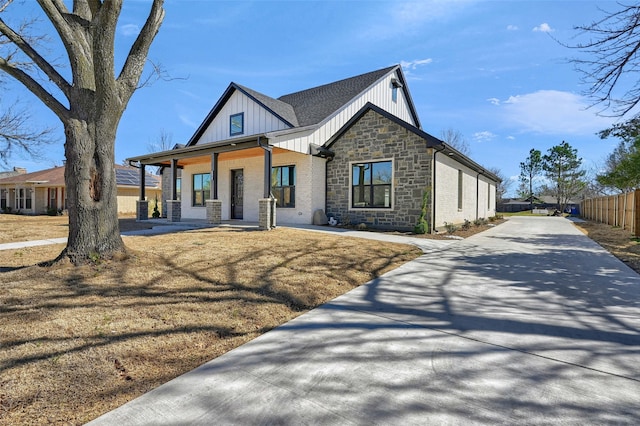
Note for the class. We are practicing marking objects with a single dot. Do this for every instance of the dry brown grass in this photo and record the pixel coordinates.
(617, 241)
(78, 342)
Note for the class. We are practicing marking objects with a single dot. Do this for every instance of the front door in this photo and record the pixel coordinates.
(237, 193)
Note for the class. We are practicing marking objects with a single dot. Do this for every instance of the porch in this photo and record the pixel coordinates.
(199, 196)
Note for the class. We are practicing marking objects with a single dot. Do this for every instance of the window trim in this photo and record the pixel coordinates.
(373, 209)
(193, 190)
(290, 166)
(241, 131)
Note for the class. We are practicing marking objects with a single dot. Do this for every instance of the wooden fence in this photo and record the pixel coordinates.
(615, 210)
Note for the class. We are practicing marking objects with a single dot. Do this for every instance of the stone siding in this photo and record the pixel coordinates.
(373, 138)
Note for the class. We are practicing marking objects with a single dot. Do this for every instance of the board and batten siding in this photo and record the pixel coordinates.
(380, 94)
(257, 120)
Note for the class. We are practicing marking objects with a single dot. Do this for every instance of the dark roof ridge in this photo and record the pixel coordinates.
(313, 106)
(381, 71)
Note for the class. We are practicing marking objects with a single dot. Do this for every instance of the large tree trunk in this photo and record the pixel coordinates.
(90, 106)
(91, 192)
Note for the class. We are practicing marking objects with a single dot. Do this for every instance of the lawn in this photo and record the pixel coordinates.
(78, 342)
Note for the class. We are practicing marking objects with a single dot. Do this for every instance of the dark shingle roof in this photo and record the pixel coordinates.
(282, 109)
(313, 105)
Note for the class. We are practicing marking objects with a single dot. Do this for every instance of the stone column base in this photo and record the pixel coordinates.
(214, 211)
(267, 213)
(142, 210)
(174, 212)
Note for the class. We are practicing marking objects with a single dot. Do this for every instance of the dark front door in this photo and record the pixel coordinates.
(237, 193)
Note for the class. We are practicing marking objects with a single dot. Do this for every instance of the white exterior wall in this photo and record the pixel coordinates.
(257, 120)
(380, 94)
(474, 193)
(310, 187)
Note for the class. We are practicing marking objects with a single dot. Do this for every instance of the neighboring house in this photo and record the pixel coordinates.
(42, 191)
(16, 171)
(543, 202)
(353, 148)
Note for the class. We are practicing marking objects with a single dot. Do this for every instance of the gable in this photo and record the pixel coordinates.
(260, 114)
(315, 105)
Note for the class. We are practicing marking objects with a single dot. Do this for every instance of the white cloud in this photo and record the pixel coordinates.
(511, 138)
(543, 28)
(484, 136)
(129, 30)
(186, 120)
(412, 65)
(512, 28)
(552, 112)
(494, 101)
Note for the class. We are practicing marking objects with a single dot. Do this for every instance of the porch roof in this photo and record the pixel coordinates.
(163, 158)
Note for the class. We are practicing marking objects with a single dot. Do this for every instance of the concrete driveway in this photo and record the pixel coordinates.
(530, 322)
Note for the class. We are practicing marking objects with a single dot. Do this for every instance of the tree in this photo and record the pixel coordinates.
(563, 168)
(611, 59)
(17, 134)
(162, 143)
(622, 166)
(89, 103)
(503, 186)
(529, 170)
(455, 139)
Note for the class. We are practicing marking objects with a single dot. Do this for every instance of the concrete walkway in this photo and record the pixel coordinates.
(528, 323)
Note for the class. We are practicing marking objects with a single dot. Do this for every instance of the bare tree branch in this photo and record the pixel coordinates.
(611, 60)
(37, 59)
(17, 134)
(133, 66)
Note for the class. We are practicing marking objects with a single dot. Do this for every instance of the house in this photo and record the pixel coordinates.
(353, 148)
(44, 191)
(543, 202)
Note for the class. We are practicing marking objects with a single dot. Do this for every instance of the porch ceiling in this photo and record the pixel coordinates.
(200, 153)
(223, 156)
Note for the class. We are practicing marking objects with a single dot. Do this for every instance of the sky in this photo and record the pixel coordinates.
(494, 71)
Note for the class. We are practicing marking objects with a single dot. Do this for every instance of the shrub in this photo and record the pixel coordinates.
(480, 221)
(362, 226)
(156, 212)
(422, 227)
(466, 225)
(52, 211)
(450, 227)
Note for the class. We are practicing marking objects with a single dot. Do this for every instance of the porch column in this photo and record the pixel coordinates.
(214, 176)
(214, 206)
(174, 213)
(174, 180)
(267, 205)
(142, 205)
(267, 171)
(267, 213)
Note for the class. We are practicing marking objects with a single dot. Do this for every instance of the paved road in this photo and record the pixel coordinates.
(530, 322)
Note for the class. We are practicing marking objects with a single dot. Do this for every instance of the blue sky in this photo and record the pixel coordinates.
(490, 70)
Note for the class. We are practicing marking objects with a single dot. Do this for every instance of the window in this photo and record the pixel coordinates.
(53, 198)
(23, 199)
(460, 189)
(371, 185)
(201, 188)
(236, 124)
(283, 185)
(178, 190)
(3, 198)
(488, 196)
